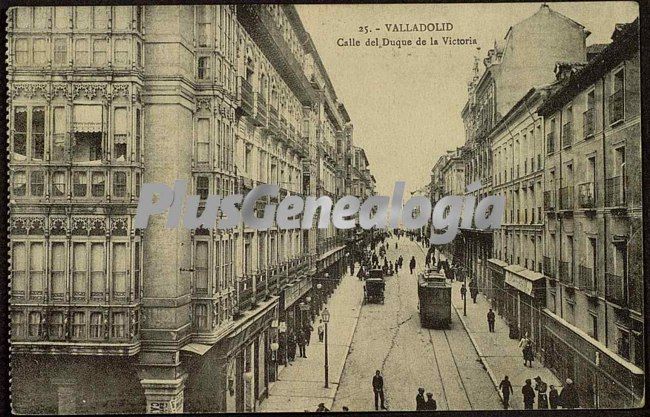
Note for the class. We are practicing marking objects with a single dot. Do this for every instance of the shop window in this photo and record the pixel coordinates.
(97, 271)
(19, 184)
(81, 52)
(79, 325)
(56, 325)
(37, 183)
(60, 51)
(119, 265)
(79, 270)
(96, 326)
(118, 325)
(119, 184)
(57, 270)
(98, 184)
(58, 184)
(17, 324)
(34, 324)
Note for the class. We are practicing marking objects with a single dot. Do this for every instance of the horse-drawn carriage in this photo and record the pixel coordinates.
(373, 288)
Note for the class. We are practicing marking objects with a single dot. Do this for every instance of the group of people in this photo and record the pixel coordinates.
(425, 405)
(567, 399)
(473, 290)
(299, 340)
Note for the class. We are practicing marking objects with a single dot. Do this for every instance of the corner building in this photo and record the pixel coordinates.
(106, 318)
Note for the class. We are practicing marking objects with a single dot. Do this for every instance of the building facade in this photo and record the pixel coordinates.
(109, 318)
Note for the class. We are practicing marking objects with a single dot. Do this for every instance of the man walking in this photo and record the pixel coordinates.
(463, 292)
(506, 389)
(307, 332)
(378, 388)
(412, 264)
(419, 400)
(473, 289)
(300, 338)
(528, 394)
(540, 387)
(490, 320)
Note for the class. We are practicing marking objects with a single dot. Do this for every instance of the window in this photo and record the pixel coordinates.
(137, 184)
(138, 134)
(57, 270)
(34, 324)
(96, 326)
(623, 343)
(138, 55)
(118, 328)
(83, 17)
(122, 17)
(100, 17)
(22, 52)
(39, 51)
(203, 141)
(61, 17)
(97, 271)
(203, 72)
(81, 53)
(119, 184)
(78, 325)
(136, 269)
(204, 25)
(41, 17)
(60, 51)
(20, 133)
(17, 324)
(37, 183)
(120, 134)
(594, 326)
(203, 186)
(100, 47)
(38, 133)
(19, 184)
(121, 52)
(36, 269)
(120, 262)
(56, 325)
(79, 270)
(98, 182)
(201, 316)
(617, 99)
(59, 134)
(18, 269)
(201, 267)
(79, 184)
(23, 17)
(58, 184)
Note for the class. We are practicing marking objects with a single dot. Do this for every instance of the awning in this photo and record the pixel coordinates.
(197, 348)
(88, 118)
(522, 278)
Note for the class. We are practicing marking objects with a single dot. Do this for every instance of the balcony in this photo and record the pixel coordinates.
(274, 123)
(549, 200)
(566, 272)
(567, 134)
(261, 115)
(587, 279)
(615, 191)
(549, 267)
(260, 288)
(586, 195)
(616, 107)
(245, 300)
(566, 198)
(550, 142)
(588, 123)
(614, 290)
(247, 102)
(284, 129)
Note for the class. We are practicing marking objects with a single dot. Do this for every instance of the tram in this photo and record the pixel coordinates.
(434, 299)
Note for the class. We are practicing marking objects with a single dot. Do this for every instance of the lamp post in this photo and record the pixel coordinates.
(326, 319)
(319, 287)
(274, 349)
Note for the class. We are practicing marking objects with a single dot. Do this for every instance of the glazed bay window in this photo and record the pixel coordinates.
(120, 134)
(100, 48)
(60, 52)
(138, 133)
(120, 267)
(97, 271)
(34, 329)
(202, 186)
(201, 267)
(79, 270)
(88, 133)
(37, 183)
(17, 324)
(201, 316)
(57, 270)
(56, 330)
(118, 325)
(19, 184)
(121, 52)
(82, 53)
(21, 51)
(59, 184)
(38, 133)
(136, 270)
(204, 25)
(98, 188)
(59, 134)
(78, 325)
(203, 141)
(96, 326)
(203, 68)
(39, 51)
(19, 269)
(79, 183)
(119, 184)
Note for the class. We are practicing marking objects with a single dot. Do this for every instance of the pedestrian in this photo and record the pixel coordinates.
(395, 245)
(526, 350)
(431, 403)
(569, 395)
(321, 408)
(506, 389)
(291, 346)
(490, 319)
(540, 387)
(419, 400)
(307, 333)
(553, 397)
(378, 389)
(427, 260)
(529, 395)
(473, 289)
(412, 264)
(300, 339)
(352, 268)
(463, 292)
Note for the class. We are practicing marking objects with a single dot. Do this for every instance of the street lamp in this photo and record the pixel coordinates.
(326, 319)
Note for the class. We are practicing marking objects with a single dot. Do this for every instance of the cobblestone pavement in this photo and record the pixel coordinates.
(389, 338)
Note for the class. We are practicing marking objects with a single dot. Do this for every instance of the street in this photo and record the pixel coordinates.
(389, 338)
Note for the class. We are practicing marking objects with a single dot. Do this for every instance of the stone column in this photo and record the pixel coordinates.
(164, 396)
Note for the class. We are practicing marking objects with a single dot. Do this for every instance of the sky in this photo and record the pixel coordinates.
(405, 103)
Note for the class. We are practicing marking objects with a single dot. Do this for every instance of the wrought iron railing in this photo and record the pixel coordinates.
(614, 290)
(550, 142)
(566, 272)
(586, 195)
(247, 101)
(549, 200)
(615, 191)
(566, 198)
(586, 279)
(616, 107)
(567, 134)
(588, 122)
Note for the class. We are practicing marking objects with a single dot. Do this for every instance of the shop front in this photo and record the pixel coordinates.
(526, 296)
(603, 379)
(293, 315)
(496, 268)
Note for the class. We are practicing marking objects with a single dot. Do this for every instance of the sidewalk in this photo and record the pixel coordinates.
(300, 386)
(500, 354)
